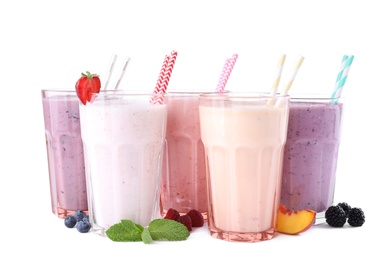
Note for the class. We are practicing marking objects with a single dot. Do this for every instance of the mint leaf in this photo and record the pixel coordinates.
(167, 229)
(145, 235)
(125, 231)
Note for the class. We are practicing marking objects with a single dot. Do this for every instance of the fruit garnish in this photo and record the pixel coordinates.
(196, 218)
(356, 217)
(335, 216)
(186, 221)
(83, 226)
(172, 214)
(80, 220)
(86, 86)
(158, 229)
(79, 215)
(345, 206)
(70, 221)
(294, 222)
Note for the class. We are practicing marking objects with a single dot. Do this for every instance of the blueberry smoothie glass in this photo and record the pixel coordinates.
(65, 154)
(311, 153)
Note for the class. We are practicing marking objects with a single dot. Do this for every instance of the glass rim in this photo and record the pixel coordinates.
(64, 90)
(314, 96)
(249, 94)
(188, 92)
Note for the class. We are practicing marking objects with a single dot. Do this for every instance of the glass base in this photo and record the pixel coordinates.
(320, 218)
(164, 212)
(63, 213)
(243, 236)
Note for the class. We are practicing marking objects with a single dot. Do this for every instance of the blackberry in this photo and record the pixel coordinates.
(356, 217)
(83, 226)
(345, 206)
(335, 216)
(70, 221)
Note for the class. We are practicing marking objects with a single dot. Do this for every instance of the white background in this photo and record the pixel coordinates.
(47, 44)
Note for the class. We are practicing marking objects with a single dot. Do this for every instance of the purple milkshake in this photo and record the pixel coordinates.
(311, 152)
(64, 152)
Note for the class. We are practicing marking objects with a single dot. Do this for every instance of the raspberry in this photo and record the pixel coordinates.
(186, 221)
(335, 216)
(345, 206)
(196, 218)
(356, 217)
(172, 214)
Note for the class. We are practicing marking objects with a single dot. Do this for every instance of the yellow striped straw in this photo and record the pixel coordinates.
(293, 75)
(279, 70)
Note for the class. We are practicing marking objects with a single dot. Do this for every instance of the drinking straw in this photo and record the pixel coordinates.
(226, 71)
(164, 66)
(287, 87)
(342, 77)
(279, 70)
(295, 70)
(275, 85)
(168, 71)
(121, 73)
(164, 77)
(109, 71)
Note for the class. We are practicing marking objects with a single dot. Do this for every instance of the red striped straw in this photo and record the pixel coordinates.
(164, 66)
(226, 71)
(164, 77)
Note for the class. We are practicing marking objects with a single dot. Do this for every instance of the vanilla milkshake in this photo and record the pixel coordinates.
(123, 137)
(244, 138)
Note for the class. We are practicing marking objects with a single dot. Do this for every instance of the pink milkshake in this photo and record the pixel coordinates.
(244, 137)
(64, 152)
(184, 171)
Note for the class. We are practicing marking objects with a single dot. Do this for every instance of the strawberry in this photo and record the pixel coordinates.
(196, 218)
(86, 86)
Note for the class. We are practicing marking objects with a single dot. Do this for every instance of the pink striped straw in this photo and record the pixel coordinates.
(226, 71)
(164, 77)
(164, 66)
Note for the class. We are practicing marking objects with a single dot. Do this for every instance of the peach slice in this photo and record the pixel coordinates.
(294, 222)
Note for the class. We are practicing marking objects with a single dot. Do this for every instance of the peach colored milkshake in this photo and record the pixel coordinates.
(244, 138)
(123, 136)
(184, 171)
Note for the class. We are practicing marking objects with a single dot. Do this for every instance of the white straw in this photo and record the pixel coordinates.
(279, 71)
(293, 75)
(121, 73)
(109, 71)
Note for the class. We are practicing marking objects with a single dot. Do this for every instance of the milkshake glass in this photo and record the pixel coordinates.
(64, 152)
(244, 136)
(311, 153)
(123, 136)
(184, 171)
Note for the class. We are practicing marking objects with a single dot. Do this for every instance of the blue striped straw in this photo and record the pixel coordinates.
(342, 77)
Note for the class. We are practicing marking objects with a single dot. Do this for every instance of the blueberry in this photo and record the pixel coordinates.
(83, 226)
(70, 221)
(79, 215)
